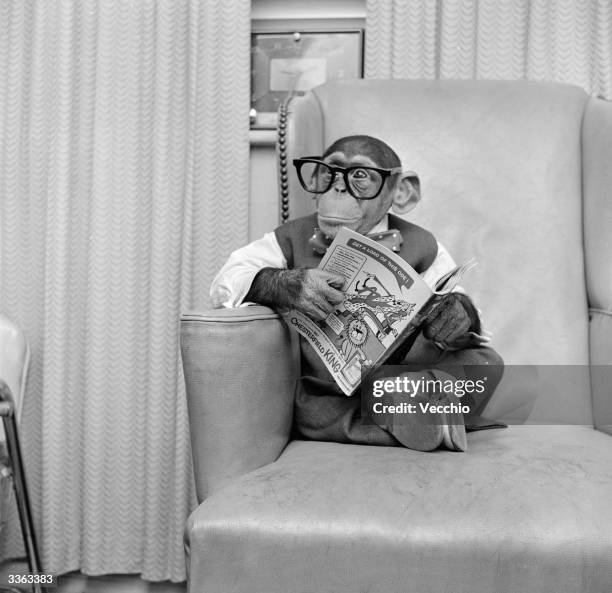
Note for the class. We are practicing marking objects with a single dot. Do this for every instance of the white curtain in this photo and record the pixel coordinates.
(551, 40)
(123, 187)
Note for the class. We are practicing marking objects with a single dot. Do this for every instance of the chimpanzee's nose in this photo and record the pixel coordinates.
(338, 183)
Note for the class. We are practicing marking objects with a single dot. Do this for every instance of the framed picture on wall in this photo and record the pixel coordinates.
(293, 62)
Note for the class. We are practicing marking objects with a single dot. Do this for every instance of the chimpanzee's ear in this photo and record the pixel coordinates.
(407, 193)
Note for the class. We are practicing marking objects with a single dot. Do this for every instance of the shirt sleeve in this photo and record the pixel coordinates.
(234, 280)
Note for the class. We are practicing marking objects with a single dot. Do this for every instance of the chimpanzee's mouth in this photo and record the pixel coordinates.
(338, 220)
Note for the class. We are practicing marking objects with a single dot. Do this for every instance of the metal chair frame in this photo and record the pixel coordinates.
(9, 412)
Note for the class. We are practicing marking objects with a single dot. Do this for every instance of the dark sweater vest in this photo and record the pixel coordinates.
(419, 249)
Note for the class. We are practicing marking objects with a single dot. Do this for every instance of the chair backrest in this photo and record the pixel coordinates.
(501, 177)
(14, 360)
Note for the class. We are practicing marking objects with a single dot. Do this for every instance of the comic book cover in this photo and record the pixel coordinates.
(386, 301)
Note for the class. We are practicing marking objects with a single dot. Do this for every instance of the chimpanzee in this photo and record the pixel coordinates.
(355, 183)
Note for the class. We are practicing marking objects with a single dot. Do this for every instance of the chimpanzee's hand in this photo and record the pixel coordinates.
(319, 295)
(451, 319)
(310, 291)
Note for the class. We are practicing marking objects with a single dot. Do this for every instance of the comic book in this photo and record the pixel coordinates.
(386, 303)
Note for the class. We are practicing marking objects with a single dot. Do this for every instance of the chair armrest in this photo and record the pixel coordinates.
(597, 188)
(240, 368)
(601, 368)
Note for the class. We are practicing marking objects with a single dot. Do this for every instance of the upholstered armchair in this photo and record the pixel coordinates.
(519, 176)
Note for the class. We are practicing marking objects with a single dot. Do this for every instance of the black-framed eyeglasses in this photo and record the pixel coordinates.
(363, 183)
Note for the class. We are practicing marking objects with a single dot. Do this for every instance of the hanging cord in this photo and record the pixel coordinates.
(281, 148)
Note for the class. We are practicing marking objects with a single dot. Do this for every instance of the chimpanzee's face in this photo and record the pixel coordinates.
(337, 207)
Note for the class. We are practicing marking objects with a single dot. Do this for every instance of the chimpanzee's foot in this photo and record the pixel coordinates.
(454, 434)
(426, 431)
(416, 432)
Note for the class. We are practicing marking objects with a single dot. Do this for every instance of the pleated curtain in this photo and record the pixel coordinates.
(123, 187)
(551, 40)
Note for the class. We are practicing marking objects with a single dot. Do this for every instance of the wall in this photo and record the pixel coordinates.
(307, 9)
(264, 203)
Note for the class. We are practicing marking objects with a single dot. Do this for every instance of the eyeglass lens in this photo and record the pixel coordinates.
(363, 182)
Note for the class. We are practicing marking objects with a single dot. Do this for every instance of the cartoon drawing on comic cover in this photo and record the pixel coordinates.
(367, 316)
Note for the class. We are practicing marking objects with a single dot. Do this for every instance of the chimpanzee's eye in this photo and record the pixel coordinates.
(360, 174)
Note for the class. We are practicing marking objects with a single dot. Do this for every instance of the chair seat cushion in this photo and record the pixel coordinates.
(528, 508)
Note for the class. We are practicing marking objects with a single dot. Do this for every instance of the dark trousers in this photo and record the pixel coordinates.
(324, 413)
